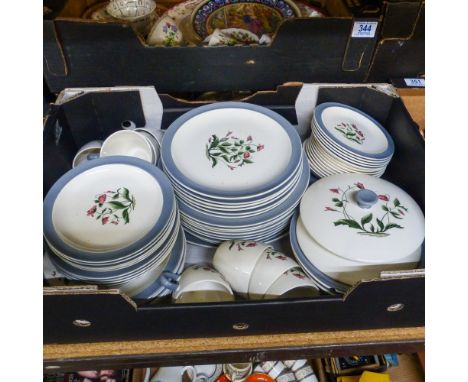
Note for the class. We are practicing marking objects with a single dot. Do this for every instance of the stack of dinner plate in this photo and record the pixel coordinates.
(238, 171)
(114, 222)
(351, 227)
(346, 140)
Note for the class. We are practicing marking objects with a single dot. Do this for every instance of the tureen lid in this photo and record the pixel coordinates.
(362, 218)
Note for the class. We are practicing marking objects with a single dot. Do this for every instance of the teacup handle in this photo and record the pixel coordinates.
(170, 280)
(192, 374)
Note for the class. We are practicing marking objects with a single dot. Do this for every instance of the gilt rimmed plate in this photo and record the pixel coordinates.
(256, 16)
(231, 149)
(107, 208)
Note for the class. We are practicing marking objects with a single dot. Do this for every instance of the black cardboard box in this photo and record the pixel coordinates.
(87, 314)
(84, 53)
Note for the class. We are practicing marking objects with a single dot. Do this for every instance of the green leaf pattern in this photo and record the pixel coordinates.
(232, 151)
(112, 207)
(368, 224)
(351, 132)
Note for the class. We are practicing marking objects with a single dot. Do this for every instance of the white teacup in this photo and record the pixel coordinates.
(270, 266)
(89, 151)
(201, 277)
(237, 372)
(236, 259)
(292, 283)
(128, 143)
(152, 140)
(140, 14)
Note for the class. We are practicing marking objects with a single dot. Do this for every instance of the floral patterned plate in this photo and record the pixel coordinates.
(362, 218)
(168, 30)
(256, 16)
(237, 150)
(107, 208)
(355, 132)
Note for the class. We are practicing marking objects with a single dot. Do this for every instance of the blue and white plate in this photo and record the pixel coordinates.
(346, 140)
(237, 170)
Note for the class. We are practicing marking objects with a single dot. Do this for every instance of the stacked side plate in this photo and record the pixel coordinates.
(237, 170)
(114, 222)
(346, 140)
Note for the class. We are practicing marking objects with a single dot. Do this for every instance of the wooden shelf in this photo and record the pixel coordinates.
(72, 357)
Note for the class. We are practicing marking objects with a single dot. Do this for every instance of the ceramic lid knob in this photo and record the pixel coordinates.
(366, 198)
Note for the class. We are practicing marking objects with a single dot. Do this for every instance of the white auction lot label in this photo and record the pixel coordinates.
(415, 82)
(364, 29)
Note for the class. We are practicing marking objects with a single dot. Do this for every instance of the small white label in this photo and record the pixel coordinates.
(415, 82)
(364, 29)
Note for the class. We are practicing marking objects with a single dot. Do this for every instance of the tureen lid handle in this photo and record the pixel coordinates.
(366, 198)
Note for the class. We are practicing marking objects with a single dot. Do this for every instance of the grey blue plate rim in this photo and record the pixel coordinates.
(319, 109)
(168, 205)
(293, 199)
(168, 162)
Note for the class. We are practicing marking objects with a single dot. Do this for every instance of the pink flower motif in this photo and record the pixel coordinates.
(231, 168)
(260, 147)
(329, 209)
(335, 190)
(299, 276)
(102, 198)
(105, 220)
(91, 211)
(249, 138)
(251, 245)
(384, 198)
(360, 185)
(115, 222)
(281, 257)
(246, 155)
(228, 133)
(401, 212)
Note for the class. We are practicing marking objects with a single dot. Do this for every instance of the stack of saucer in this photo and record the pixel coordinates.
(237, 170)
(346, 140)
(114, 221)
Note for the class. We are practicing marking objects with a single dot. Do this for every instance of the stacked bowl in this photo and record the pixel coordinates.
(237, 169)
(114, 221)
(346, 140)
(256, 271)
(352, 227)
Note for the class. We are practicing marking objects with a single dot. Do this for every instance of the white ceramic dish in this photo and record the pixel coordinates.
(270, 266)
(128, 143)
(236, 260)
(200, 277)
(344, 270)
(353, 130)
(292, 283)
(391, 228)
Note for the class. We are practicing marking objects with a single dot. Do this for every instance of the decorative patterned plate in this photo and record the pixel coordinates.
(256, 16)
(236, 149)
(167, 30)
(107, 208)
(98, 12)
